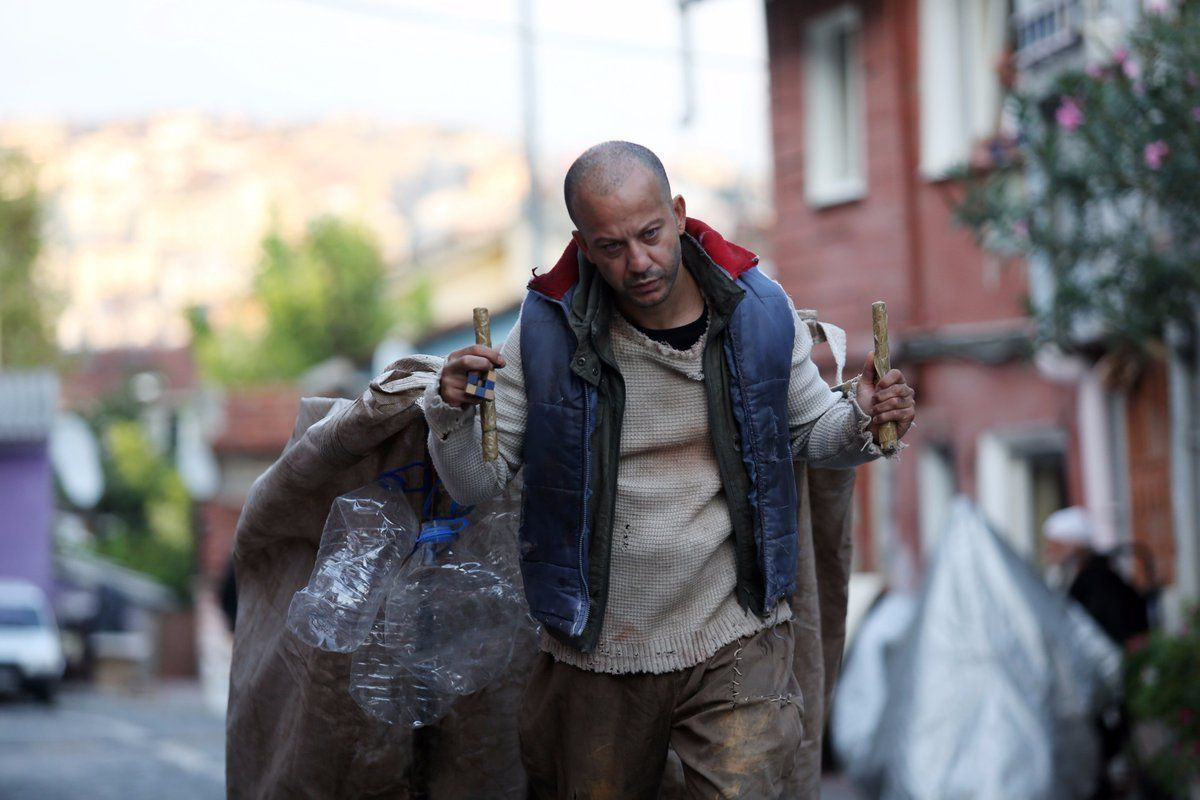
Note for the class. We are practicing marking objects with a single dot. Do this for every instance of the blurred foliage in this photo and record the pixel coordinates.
(1162, 687)
(1100, 186)
(415, 309)
(26, 316)
(323, 296)
(143, 519)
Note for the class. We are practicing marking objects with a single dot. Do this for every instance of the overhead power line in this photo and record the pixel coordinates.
(506, 31)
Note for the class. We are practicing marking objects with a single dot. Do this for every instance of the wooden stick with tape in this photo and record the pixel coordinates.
(487, 409)
(888, 441)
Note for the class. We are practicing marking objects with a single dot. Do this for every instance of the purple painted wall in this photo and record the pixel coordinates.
(26, 508)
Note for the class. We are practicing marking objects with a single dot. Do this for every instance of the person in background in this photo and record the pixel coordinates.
(1089, 577)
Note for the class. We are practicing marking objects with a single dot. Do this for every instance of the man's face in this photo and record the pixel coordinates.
(1055, 553)
(632, 236)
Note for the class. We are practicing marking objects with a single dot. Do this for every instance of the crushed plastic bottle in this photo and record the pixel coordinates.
(448, 625)
(366, 536)
(430, 610)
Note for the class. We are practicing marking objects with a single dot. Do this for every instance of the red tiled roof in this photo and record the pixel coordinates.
(258, 420)
(96, 375)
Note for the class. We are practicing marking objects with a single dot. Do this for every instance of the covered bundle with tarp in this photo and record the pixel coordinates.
(988, 689)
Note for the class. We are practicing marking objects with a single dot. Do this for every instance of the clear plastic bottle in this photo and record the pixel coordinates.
(448, 627)
(367, 535)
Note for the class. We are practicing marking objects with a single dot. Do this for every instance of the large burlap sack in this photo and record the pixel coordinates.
(293, 730)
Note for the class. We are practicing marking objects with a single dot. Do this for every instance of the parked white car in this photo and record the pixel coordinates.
(31, 655)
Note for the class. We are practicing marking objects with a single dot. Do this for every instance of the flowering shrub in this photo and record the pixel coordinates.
(1102, 183)
(1162, 685)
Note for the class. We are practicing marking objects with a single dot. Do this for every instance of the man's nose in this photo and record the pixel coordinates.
(639, 259)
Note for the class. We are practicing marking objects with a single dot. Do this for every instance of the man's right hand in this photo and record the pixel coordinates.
(452, 385)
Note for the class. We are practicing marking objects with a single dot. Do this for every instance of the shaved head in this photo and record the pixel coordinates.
(605, 167)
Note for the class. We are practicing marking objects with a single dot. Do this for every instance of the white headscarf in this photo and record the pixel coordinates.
(1069, 526)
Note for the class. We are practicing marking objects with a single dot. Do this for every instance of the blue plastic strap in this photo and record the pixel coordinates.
(438, 531)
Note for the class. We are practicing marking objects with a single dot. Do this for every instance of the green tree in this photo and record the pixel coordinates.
(1161, 690)
(1100, 187)
(143, 519)
(26, 321)
(323, 296)
(145, 511)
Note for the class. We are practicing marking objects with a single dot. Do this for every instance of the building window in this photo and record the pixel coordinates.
(961, 42)
(1021, 481)
(936, 487)
(1045, 28)
(836, 161)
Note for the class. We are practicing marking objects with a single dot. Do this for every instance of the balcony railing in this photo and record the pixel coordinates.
(1048, 28)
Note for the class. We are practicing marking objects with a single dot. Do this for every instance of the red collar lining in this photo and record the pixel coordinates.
(728, 256)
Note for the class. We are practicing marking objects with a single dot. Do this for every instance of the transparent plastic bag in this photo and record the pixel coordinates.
(448, 625)
(430, 609)
(367, 535)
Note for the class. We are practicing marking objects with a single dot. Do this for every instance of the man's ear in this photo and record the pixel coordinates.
(680, 208)
(581, 243)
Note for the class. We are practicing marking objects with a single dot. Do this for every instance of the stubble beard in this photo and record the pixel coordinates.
(668, 276)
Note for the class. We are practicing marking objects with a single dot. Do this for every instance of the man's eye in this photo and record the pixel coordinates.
(611, 247)
(650, 234)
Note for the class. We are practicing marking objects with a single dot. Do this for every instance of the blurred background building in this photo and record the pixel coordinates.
(873, 106)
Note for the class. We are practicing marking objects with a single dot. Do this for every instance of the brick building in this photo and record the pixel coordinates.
(872, 103)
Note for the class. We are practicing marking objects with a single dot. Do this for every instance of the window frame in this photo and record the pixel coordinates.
(959, 42)
(821, 92)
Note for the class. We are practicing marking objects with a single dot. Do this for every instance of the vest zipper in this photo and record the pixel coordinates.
(583, 527)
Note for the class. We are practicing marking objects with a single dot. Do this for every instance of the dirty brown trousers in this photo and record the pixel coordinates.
(735, 722)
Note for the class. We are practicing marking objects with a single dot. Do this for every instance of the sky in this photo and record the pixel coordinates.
(604, 70)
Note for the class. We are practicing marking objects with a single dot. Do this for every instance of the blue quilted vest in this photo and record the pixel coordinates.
(561, 474)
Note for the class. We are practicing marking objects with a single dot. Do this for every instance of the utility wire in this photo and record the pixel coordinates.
(506, 31)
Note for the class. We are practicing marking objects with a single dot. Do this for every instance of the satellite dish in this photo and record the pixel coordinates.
(194, 458)
(75, 456)
(387, 351)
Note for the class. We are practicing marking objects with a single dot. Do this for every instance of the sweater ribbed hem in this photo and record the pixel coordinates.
(669, 653)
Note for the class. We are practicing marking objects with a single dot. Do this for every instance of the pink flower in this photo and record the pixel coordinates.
(1132, 69)
(1069, 115)
(1021, 229)
(1192, 79)
(1196, 113)
(1158, 6)
(1155, 153)
(1120, 56)
(1096, 72)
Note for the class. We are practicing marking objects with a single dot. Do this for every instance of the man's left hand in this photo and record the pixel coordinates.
(886, 399)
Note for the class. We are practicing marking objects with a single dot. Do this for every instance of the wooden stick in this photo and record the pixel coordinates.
(487, 410)
(888, 442)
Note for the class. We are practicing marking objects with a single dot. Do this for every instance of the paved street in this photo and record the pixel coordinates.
(104, 746)
(101, 746)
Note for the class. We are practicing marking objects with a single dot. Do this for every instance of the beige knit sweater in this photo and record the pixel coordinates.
(671, 600)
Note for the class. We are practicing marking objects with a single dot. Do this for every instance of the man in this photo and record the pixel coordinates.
(1089, 577)
(656, 390)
